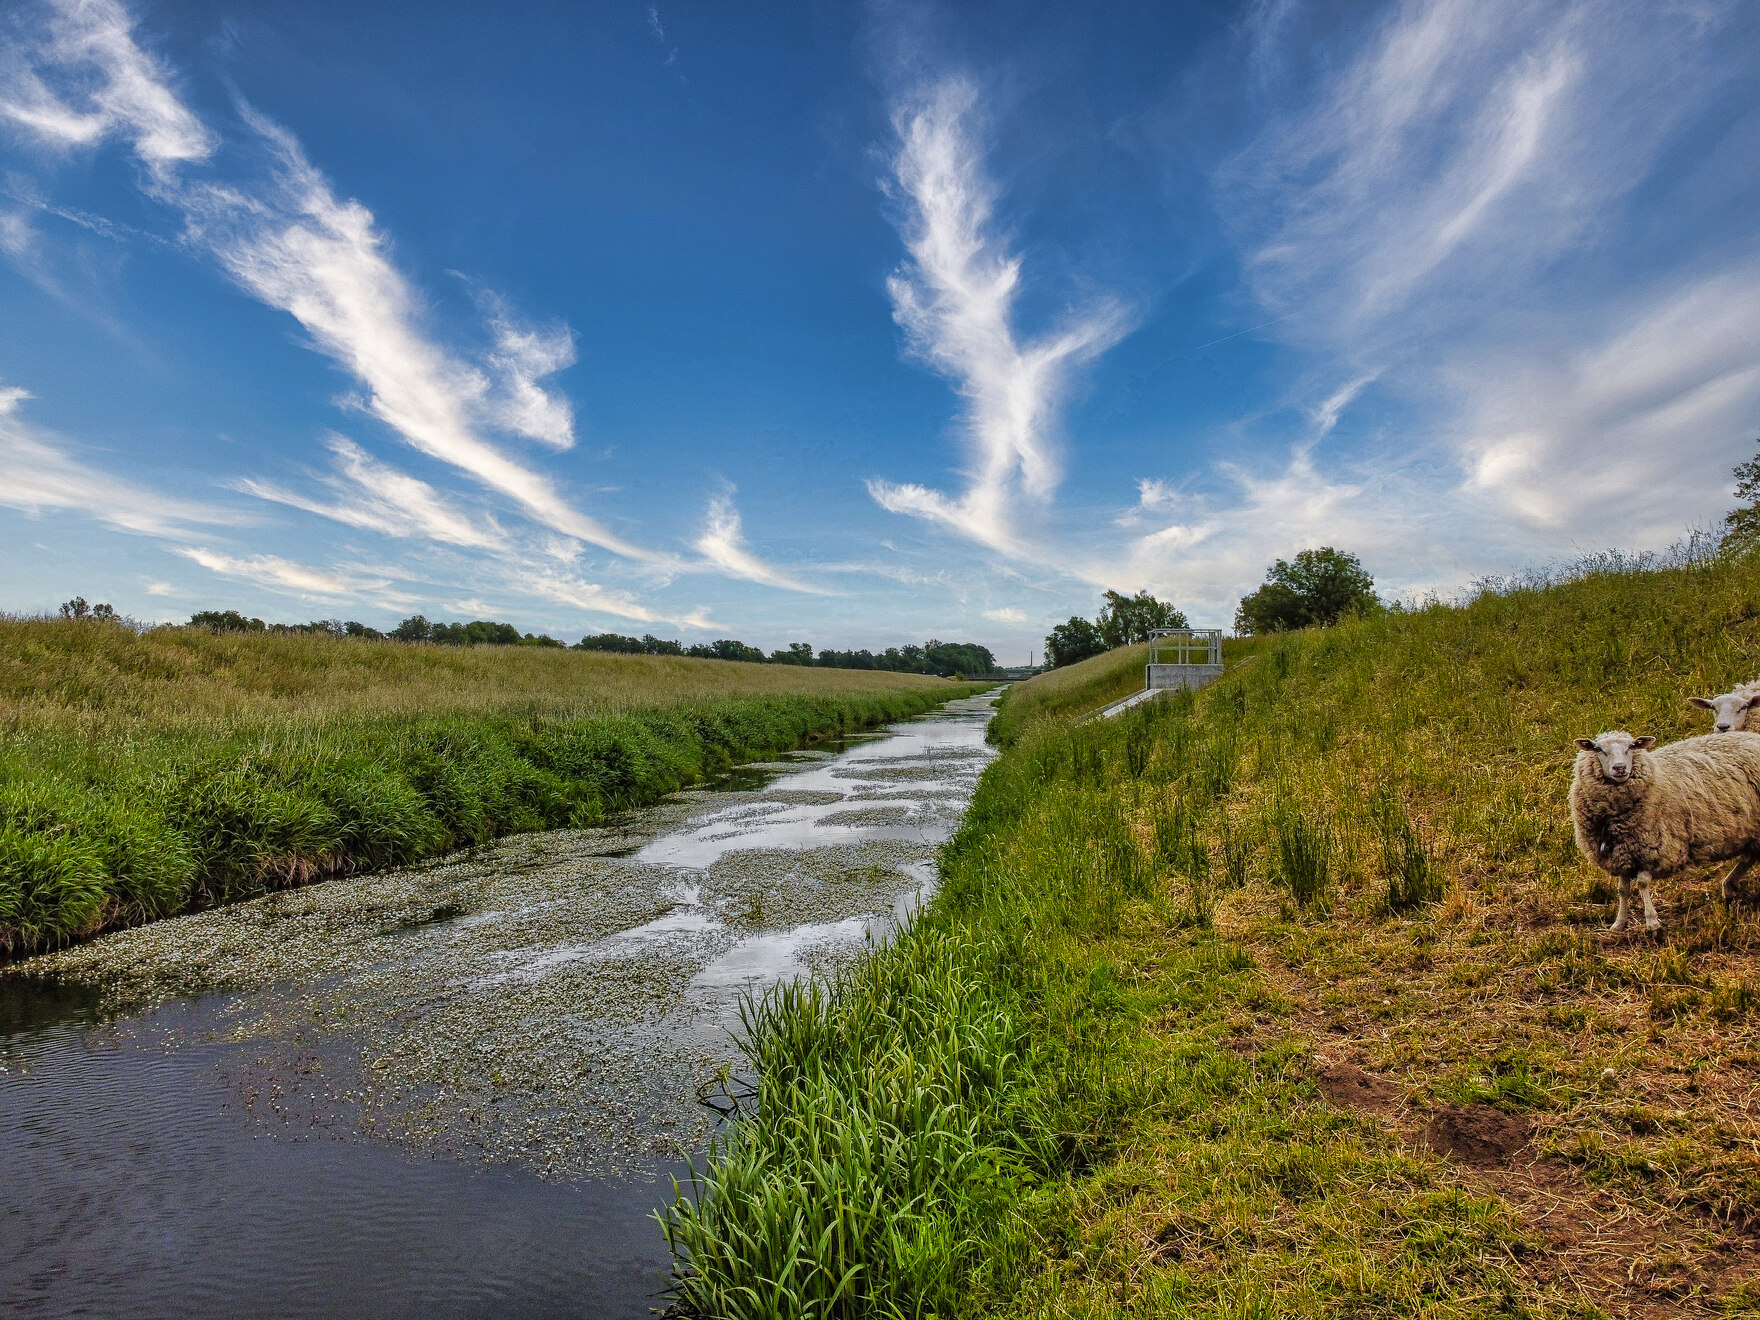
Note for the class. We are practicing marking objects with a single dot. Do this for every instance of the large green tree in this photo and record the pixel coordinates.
(1069, 642)
(1319, 587)
(1127, 619)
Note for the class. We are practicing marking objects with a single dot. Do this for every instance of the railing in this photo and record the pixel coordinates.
(1185, 646)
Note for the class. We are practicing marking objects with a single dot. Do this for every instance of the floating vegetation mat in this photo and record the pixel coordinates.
(555, 1000)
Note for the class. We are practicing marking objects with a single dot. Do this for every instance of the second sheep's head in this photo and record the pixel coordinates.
(1615, 752)
(1729, 710)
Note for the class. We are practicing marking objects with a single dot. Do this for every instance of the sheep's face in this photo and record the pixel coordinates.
(1614, 750)
(1729, 711)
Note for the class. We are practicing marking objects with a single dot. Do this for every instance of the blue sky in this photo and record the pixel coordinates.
(858, 325)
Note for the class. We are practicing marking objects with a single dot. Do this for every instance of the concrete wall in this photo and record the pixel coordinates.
(1180, 676)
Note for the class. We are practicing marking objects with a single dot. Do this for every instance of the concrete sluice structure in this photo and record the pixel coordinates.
(1179, 658)
(1183, 658)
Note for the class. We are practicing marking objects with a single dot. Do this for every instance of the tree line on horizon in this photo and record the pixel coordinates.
(946, 659)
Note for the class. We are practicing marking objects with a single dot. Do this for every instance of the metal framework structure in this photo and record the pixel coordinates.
(1183, 658)
(1185, 646)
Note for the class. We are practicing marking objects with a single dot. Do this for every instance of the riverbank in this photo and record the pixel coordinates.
(147, 775)
(1290, 997)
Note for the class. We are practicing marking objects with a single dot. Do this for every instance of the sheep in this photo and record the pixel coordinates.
(1643, 814)
(1730, 709)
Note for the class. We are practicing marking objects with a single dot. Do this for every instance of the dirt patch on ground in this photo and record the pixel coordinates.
(1349, 1087)
(1477, 1135)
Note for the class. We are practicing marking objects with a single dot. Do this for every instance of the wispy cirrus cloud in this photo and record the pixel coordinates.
(298, 248)
(1443, 204)
(524, 355)
(42, 474)
(302, 580)
(111, 87)
(723, 547)
(955, 298)
(289, 241)
(369, 494)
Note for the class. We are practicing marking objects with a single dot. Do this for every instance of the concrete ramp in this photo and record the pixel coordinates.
(1135, 699)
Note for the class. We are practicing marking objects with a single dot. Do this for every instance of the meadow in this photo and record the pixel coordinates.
(1291, 997)
(147, 774)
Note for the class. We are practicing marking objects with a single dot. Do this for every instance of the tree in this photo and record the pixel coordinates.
(1127, 619)
(798, 653)
(78, 609)
(1069, 642)
(726, 648)
(610, 642)
(1741, 527)
(958, 659)
(225, 621)
(1320, 588)
(416, 628)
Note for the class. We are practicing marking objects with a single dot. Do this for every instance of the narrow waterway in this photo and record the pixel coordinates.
(460, 1089)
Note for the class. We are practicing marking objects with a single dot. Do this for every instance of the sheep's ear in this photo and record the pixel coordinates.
(1752, 702)
(1701, 703)
(1587, 744)
(1639, 744)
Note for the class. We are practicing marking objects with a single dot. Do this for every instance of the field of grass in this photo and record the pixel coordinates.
(145, 775)
(1287, 998)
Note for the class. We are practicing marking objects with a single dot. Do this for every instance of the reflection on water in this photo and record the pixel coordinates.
(455, 1089)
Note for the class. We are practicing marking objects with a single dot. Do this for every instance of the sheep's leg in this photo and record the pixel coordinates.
(1651, 920)
(1734, 878)
(1625, 902)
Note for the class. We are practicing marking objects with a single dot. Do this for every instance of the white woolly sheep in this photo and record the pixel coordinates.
(1729, 710)
(1643, 814)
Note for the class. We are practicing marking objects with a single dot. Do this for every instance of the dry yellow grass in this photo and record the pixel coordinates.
(102, 677)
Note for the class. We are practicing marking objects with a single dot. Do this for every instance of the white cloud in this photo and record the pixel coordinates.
(955, 300)
(372, 495)
(323, 261)
(523, 356)
(1440, 210)
(722, 545)
(41, 475)
(161, 589)
(1640, 420)
(283, 575)
(120, 88)
(1007, 615)
(1326, 413)
(545, 582)
(293, 244)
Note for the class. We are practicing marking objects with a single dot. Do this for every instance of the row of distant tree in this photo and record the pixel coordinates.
(948, 659)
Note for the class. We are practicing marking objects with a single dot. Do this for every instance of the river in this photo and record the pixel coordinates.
(457, 1089)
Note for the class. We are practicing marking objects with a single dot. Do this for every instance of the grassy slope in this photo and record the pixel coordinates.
(1092, 1080)
(144, 775)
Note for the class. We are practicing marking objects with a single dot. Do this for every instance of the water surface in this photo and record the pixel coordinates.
(456, 1089)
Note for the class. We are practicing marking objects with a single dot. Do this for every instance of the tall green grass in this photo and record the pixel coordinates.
(1078, 1084)
(145, 776)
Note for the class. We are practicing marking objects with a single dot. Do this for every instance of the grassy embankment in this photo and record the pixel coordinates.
(1291, 998)
(142, 776)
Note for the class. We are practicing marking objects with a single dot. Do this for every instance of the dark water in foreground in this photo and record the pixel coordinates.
(460, 1090)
